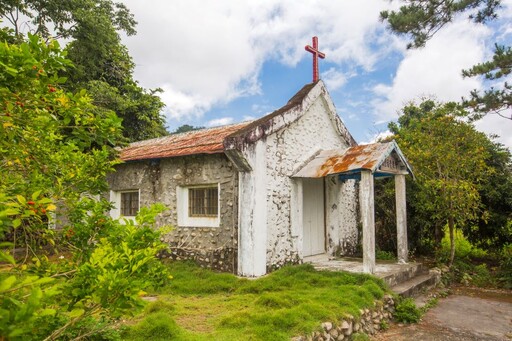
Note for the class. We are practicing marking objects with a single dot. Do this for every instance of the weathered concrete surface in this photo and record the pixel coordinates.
(465, 315)
(401, 218)
(368, 219)
(383, 269)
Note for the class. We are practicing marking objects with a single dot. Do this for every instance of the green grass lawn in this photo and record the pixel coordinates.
(204, 305)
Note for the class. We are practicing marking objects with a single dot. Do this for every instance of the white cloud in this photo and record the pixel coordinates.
(333, 79)
(434, 69)
(494, 124)
(220, 121)
(211, 52)
(378, 136)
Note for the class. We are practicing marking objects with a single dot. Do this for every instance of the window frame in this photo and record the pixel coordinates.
(203, 202)
(122, 202)
(115, 199)
(184, 216)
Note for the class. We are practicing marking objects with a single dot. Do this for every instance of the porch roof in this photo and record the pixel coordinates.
(354, 159)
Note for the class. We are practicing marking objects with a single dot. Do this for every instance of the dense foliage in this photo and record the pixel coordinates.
(463, 181)
(407, 312)
(56, 149)
(449, 167)
(422, 19)
(102, 64)
(186, 128)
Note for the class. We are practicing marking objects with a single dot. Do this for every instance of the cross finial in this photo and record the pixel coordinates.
(316, 54)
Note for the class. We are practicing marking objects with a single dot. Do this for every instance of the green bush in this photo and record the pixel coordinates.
(506, 266)
(482, 277)
(385, 255)
(121, 266)
(463, 248)
(384, 325)
(57, 148)
(407, 312)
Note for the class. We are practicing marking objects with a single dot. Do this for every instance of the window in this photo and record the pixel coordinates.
(198, 206)
(129, 203)
(203, 202)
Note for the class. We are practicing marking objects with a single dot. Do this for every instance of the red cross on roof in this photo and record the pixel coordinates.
(316, 54)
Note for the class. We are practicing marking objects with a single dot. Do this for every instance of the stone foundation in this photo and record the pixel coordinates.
(368, 322)
(222, 259)
(292, 259)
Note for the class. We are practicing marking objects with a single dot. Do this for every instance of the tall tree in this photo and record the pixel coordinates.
(494, 228)
(102, 63)
(185, 128)
(450, 163)
(52, 142)
(422, 19)
(56, 148)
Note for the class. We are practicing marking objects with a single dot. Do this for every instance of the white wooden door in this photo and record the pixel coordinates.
(313, 217)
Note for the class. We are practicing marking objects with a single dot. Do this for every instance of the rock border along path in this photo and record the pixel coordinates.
(369, 322)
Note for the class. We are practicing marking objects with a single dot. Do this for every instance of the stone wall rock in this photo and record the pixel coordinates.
(287, 150)
(158, 180)
(369, 321)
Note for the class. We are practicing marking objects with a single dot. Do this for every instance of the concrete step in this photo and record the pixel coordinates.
(404, 274)
(417, 284)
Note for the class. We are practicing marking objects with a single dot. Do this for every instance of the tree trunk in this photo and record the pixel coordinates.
(451, 226)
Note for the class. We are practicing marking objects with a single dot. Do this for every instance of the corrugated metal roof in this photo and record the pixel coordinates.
(204, 141)
(369, 156)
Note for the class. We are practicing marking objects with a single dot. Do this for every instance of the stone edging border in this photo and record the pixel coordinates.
(369, 322)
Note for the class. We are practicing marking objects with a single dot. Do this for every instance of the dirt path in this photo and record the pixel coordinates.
(467, 314)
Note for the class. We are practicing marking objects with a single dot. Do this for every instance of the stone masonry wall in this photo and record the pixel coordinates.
(157, 180)
(368, 322)
(342, 216)
(287, 150)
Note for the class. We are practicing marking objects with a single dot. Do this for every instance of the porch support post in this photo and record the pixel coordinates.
(368, 220)
(401, 219)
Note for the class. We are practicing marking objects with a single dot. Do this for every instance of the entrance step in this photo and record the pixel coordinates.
(404, 273)
(417, 284)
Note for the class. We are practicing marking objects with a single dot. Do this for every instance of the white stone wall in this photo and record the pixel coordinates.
(341, 216)
(253, 210)
(287, 150)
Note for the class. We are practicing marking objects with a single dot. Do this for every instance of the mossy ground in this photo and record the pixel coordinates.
(203, 305)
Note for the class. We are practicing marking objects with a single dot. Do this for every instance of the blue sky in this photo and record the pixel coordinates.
(222, 62)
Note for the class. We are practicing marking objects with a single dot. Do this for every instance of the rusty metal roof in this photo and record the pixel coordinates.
(204, 141)
(336, 161)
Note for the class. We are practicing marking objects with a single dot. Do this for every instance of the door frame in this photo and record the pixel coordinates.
(301, 203)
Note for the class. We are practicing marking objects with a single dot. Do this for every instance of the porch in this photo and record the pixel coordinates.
(407, 279)
(363, 164)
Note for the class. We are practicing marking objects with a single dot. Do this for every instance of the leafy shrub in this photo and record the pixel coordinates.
(407, 312)
(482, 277)
(24, 300)
(384, 325)
(385, 255)
(108, 283)
(463, 248)
(121, 266)
(57, 149)
(506, 266)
